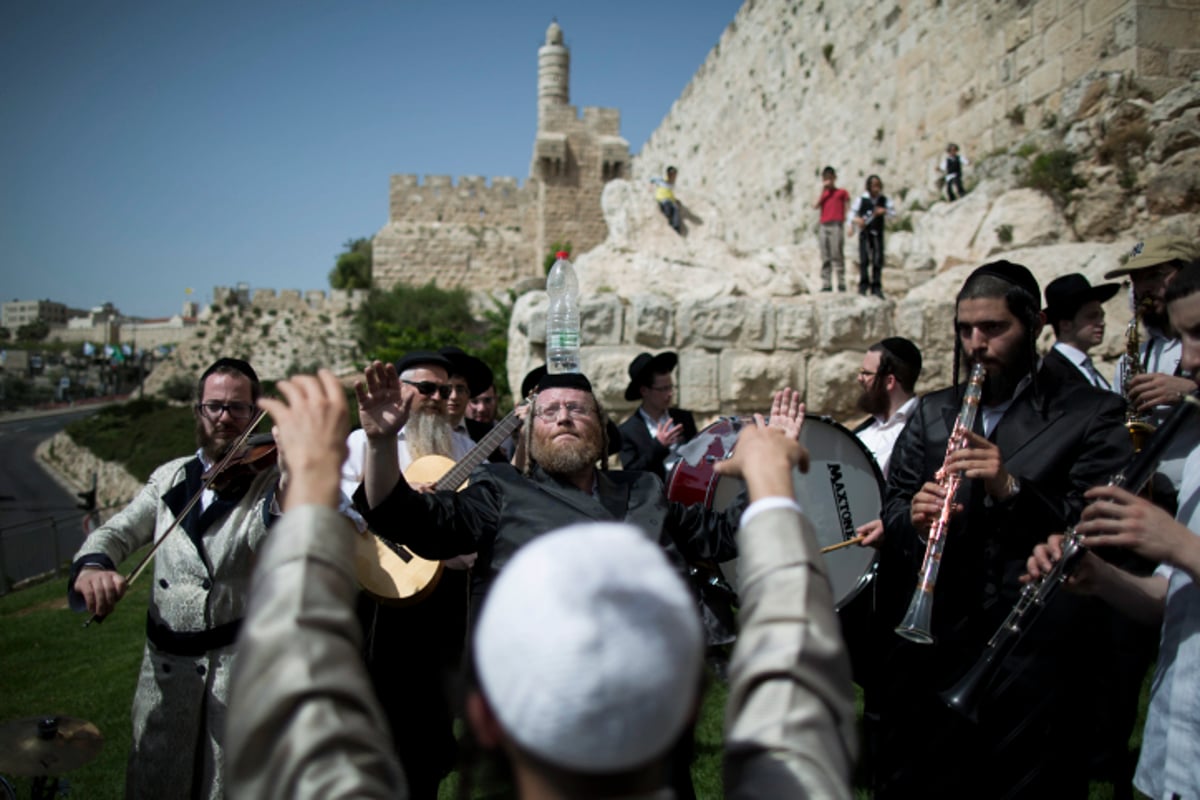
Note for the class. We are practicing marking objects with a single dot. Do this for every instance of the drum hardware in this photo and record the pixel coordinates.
(842, 490)
(44, 747)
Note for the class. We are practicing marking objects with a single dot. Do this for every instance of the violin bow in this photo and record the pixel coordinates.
(230, 453)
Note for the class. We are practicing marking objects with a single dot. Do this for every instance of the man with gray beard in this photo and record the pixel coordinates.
(420, 644)
(503, 509)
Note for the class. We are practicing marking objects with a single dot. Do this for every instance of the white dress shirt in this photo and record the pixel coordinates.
(880, 437)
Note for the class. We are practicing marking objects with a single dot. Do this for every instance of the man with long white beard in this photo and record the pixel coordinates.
(421, 721)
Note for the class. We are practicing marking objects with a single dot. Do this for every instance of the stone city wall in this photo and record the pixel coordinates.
(868, 87)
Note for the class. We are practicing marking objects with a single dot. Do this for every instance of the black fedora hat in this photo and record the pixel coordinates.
(478, 374)
(419, 358)
(644, 367)
(1066, 295)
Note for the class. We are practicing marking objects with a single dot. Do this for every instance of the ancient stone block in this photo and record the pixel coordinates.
(1063, 33)
(727, 322)
(1099, 13)
(650, 320)
(698, 380)
(796, 325)
(601, 319)
(607, 367)
(749, 379)
(831, 386)
(854, 324)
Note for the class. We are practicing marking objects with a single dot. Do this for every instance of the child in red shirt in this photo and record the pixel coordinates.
(833, 203)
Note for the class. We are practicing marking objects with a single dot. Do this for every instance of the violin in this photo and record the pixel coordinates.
(248, 456)
(240, 465)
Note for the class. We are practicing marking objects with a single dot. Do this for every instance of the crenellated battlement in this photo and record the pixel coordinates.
(439, 199)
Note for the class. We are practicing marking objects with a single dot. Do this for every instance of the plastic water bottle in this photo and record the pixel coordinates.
(562, 319)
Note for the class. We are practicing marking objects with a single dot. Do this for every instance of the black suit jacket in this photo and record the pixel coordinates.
(641, 451)
(1057, 367)
(502, 510)
(1058, 443)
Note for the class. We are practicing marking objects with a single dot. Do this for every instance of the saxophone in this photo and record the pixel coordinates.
(917, 621)
(1138, 424)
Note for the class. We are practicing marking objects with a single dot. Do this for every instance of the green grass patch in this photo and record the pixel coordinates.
(53, 666)
(140, 434)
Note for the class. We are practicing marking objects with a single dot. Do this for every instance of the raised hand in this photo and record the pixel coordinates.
(668, 433)
(311, 424)
(764, 458)
(383, 407)
(787, 413)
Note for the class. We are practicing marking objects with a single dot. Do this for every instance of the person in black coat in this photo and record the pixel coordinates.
(1074, 310)
(652, 435)
(1037, 446)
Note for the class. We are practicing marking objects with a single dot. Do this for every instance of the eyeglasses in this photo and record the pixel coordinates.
(574, 411)
(428, 388)
(670, 387)
(213, 410)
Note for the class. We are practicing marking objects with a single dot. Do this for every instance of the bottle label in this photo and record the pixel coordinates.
(564, 340)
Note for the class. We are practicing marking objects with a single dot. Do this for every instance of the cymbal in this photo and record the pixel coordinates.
(47, 745)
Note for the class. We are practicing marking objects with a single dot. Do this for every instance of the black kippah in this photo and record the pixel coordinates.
(565, 380)
(1016, 274)
(903, 351)
(235, 364)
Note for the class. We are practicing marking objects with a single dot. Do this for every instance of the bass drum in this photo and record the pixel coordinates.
(842, 490)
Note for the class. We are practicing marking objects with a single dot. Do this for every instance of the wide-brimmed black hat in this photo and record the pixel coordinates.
(530, 382)
(1066, 295)
(643, 369)
(478, 374)
(419, 358)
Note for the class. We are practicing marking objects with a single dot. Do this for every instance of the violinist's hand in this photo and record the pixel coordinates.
(383, 407)
(312, 422)
(101, 589)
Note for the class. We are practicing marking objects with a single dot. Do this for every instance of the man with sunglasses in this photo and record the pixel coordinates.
(198, 598)
(421, 722)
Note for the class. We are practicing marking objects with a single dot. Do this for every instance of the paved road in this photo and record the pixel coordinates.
(39, 523)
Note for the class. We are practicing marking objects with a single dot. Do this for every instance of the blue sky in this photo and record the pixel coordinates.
(148, 147)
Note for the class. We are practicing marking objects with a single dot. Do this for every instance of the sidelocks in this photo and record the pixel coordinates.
(973, 687)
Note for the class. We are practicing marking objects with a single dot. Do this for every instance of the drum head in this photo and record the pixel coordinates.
(842, 489)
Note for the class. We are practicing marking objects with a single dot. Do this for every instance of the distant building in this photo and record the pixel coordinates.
(478, 236)
(16, 313)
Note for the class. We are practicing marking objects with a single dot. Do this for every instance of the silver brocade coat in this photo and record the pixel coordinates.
(179, 708)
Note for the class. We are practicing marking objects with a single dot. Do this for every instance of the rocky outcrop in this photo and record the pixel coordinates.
(115, 487)
(745, 323)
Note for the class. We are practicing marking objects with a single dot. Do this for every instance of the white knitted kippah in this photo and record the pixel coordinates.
(589, 648)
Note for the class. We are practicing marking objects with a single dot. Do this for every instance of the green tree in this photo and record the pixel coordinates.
(426, 318)
(353, 267)
(34, 331)
(552, 256)
(5, 334)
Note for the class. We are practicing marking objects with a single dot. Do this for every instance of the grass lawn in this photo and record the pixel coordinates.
(53, 666)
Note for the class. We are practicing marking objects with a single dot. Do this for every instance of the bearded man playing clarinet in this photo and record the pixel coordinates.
(1034, 448)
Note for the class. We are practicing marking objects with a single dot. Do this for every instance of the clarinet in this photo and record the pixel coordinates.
(919, 618)
(965, 696)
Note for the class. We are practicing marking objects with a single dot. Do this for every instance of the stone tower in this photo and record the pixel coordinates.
(572, 157)
(482, 235)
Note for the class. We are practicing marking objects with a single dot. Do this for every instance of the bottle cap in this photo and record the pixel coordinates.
(562, 254)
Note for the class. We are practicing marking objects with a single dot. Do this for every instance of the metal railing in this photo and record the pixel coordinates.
(32, 561)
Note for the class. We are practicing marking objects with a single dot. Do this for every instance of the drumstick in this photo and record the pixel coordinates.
(846, 543)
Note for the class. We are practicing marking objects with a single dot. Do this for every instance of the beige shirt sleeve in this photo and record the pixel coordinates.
(789, 724)
(303, 721)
